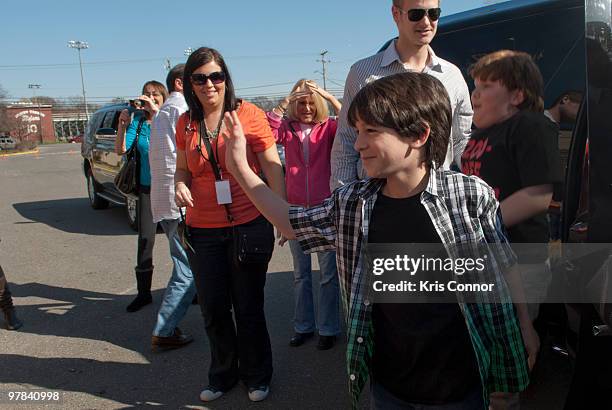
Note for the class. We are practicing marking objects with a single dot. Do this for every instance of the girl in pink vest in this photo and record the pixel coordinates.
(301, 124)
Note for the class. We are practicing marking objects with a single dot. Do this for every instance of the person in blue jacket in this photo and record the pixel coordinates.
(153, 96)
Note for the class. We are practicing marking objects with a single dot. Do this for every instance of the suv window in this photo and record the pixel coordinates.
(108, 120)
(93, 126)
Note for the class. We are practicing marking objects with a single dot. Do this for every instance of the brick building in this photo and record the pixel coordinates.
(41, 124)
(31, 122)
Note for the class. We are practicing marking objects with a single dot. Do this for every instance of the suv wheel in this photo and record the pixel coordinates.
(95, 200)
(132, 212)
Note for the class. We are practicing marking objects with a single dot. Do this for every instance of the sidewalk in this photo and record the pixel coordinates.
(14, 154)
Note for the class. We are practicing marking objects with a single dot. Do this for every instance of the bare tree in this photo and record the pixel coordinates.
(4, 123)
(74, 103)
(44, 100)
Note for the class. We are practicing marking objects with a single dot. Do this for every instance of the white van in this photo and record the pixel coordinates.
(7, 142)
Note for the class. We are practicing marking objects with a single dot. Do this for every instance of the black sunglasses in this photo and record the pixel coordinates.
(415, 15)
(200, 79)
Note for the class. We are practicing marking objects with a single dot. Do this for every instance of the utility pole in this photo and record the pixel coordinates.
(81, 45)
(324, 61)
(35, 87)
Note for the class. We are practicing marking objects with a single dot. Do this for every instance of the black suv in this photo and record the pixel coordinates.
(101, 163)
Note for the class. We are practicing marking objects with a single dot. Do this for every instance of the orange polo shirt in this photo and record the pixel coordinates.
(206, 213)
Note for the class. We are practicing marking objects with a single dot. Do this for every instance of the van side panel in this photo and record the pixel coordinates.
(554, 36)
(599, 110)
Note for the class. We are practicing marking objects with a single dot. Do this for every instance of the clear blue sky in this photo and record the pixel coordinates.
(264, 42)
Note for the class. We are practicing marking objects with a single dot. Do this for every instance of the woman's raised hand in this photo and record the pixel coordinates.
(124, 118)
(314, 88)
(235, 143)
(281, 108)
(296, 95)
(150, 105)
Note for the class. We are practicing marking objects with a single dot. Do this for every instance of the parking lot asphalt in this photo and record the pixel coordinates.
(71, 272)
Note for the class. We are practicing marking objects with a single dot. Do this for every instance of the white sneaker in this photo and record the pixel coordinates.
(210, 394)
(259, 393)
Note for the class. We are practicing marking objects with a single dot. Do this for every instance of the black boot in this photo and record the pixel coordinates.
(11, 320)
(143, 281)
(6, 304)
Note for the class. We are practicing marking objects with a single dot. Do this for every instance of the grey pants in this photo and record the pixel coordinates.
(146, 232)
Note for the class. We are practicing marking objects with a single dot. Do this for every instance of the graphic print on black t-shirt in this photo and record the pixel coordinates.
(515, 154)
(422, 351)
(471, 160)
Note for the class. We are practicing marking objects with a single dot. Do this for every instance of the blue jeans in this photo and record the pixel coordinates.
(382, 399)
(329, 296)
(181, 287)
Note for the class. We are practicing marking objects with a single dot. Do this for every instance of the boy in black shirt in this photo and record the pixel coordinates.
(430, 356)
(515, 150)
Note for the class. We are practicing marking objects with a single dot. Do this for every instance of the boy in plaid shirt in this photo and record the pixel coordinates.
(403, 123)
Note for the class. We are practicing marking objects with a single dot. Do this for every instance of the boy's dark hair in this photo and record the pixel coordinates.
(408, 103)
(176, 72)
(516, 70)
(198, 58)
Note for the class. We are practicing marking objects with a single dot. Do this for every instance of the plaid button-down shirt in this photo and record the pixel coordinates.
(463, 209)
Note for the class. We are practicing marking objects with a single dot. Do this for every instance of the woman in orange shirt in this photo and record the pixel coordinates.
(232, 243)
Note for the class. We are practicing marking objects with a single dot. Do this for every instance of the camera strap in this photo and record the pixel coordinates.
(134, 146)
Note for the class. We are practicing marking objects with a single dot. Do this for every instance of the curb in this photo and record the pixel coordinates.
(14, 154)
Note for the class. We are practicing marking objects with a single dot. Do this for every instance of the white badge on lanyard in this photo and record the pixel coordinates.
(224, 194)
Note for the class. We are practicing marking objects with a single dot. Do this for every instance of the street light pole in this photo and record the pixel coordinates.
(187, 52)
(81, 45)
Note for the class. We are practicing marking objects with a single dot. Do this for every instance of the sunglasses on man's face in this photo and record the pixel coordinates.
(200, 79)
(415, 15)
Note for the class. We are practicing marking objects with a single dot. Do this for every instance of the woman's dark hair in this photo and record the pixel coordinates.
(198, 58)
(408, 103)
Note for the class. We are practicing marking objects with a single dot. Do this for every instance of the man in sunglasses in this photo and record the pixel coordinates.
(417, 22)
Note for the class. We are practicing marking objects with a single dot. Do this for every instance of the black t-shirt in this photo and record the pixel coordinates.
(520, 152)
(422, 351)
